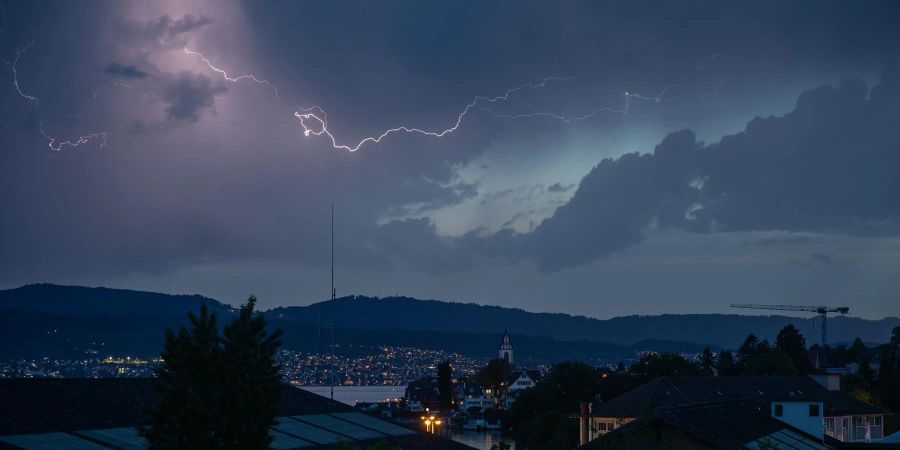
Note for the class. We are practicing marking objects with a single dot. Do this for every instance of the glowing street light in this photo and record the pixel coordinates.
(431, 422)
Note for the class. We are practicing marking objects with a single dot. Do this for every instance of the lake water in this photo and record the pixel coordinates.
(352, 394)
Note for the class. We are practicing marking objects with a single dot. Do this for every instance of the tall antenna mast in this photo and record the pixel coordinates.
(333, 292)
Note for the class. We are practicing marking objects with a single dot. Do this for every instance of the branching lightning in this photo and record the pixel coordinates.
(74, 142)
(52, 142)
(13, 66)
(233, 79)
(317, 114)
(314, 120)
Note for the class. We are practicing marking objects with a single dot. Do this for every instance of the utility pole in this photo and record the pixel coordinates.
(333, 298)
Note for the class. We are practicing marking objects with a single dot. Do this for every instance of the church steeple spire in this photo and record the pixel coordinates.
(506, 349)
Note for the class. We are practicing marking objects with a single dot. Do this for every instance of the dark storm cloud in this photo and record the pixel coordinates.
(557, 187)
(163, 29)
(770, 241)
(818, 259)
(126, 71)
(186, 95)
(831, 165)
(414, 243)
(161, 32)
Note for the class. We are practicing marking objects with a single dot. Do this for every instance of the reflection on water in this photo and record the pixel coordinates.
(481, 439)
(352, 394)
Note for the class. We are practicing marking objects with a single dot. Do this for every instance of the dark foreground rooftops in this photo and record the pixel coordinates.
(45, 405)
(680, 391)
(103, 414)
(721, 425)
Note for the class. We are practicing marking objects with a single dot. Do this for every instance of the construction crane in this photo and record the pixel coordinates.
(822, 311)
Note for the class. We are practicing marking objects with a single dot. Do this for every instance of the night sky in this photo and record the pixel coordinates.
(594, 158)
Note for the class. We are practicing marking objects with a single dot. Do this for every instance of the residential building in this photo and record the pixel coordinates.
(798, 401)
(729, 424)
(423, 394)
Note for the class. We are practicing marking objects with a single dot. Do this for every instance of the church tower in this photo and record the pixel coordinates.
(506, 350)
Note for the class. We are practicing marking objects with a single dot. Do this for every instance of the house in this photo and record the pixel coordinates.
(476, 395)
(517, 382)
(798, 401)
(729, 424)
(522, 379)
(423, 394)
(103, 414)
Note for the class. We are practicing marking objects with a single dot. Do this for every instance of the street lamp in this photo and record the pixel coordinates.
(431, 422)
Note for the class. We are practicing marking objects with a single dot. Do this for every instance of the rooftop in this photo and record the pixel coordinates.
(104, 414)
(732, 424)
(665, 392)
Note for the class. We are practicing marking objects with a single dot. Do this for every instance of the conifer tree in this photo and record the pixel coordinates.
(252, 385)
(187, 387)
(213, 391)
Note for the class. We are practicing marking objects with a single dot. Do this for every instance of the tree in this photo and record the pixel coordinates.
(889, 371)
(560, 392)
(187, 386)
(652, 365)
(252, 386)
(792, 343)
(216, 392)
(549, 430)
(495, 373)
(771, 363)
(751, 347)
(857, 350)
(726, 365)
(707, 361)
(865, 371)
(445, 384)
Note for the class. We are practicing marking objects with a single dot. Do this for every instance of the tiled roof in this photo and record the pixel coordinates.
(726, 425)
(679, 391)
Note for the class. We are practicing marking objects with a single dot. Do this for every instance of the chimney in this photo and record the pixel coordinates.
(584, 425)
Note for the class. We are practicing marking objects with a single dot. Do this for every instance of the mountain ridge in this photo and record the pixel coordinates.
(365, 313)
(725, 330)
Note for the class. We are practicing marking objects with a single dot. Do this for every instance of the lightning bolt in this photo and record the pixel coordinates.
(233, 79)
(13, 67)
(314, 120)
(317, 114)
(628, 97)
(74, 142)
(52, 142)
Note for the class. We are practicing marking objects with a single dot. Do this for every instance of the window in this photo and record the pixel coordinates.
(813, 410)
(829, 425)
(779, 410)
(877, 421)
